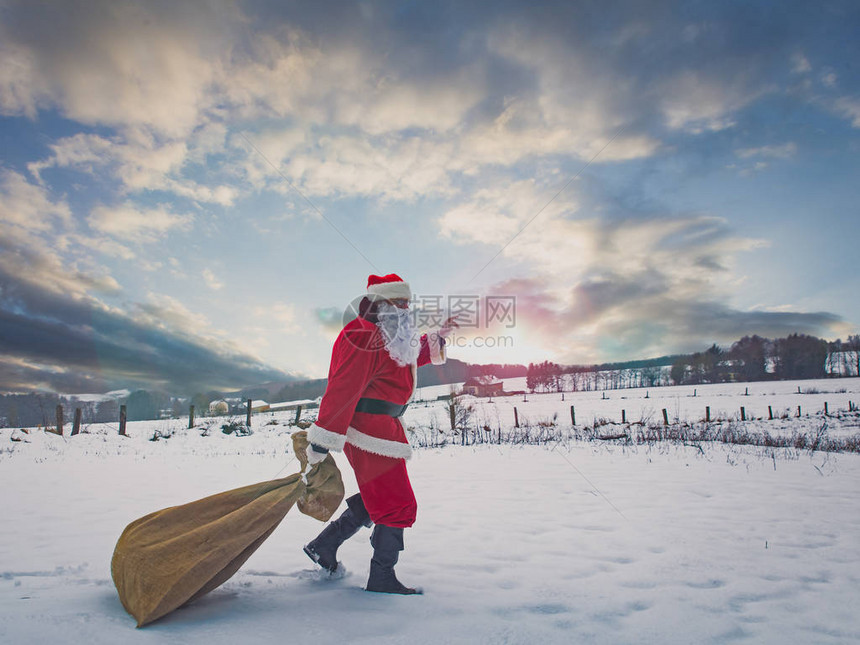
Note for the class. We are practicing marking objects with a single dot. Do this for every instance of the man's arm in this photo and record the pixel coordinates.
(432, 349)
(352, 366)
(433, 344)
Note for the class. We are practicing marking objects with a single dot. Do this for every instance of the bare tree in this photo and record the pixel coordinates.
(852, 347)
(800, 356)
(748, 358)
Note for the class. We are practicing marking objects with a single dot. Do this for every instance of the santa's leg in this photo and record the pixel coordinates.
(323, 548)
(390, 501)
(385, 487)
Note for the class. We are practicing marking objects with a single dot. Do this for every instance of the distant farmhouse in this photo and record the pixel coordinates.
(484, 386)
(292, 405)
(258, 405)
(219, 407)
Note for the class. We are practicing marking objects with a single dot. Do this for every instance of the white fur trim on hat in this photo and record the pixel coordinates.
(326, 438)
(391, 290)
(377, 446)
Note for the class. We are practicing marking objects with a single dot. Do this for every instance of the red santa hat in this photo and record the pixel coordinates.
(389, 286)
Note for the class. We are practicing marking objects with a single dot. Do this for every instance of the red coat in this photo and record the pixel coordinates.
(362, 367)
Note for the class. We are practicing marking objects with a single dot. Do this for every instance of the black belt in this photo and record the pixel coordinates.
(378, 406)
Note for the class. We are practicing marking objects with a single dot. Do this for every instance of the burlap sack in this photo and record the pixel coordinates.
(178, 554)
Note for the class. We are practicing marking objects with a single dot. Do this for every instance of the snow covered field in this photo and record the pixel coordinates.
(683, 403)
(565, 543)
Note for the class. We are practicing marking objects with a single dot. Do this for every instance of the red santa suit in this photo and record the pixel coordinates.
(375, 444)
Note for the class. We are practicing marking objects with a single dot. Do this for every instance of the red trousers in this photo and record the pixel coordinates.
(384, 486)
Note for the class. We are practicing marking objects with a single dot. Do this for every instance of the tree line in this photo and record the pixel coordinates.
(752, 358)
(552, 377)
(40, 408)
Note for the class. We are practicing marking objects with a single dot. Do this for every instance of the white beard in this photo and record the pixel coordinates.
(402, 340)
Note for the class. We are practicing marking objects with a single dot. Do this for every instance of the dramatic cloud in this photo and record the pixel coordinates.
(32, 224)
(850, 108)
(615, 317)
(616, 287)
(28, 208)
(560, 242)
(50, 341)
(696, 105)
(130, 223)
(115, 64)
(784, 151)
(211, 281)
(330, 319)
(507, 89)
(402, 130)
(57, 332)
(140, 162)
(343, 166)
(611, 166)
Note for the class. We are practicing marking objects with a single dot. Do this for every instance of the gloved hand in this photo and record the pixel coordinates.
(448, 326)
(316, 454)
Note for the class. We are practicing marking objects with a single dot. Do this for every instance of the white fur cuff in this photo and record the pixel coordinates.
(326, 438)
(377, 446)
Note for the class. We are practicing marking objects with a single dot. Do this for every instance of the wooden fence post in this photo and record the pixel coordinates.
(123, 417)
(572, 416)
(248, 415)
(623, 416)
(298, 415)
(825, 408)
(798, 411)
(708, 413)
(60, 420)
(769, 413)
(76, 426)
(743, 414)
(516, 418)
(190, 417)
(665, 417)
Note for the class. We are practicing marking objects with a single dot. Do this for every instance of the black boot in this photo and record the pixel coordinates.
(387, 544)
(323, 548)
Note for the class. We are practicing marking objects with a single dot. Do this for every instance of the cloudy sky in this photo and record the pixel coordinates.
(191, 193)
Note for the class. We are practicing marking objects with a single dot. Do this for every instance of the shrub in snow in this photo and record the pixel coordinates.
(236, 428)
(161, 433)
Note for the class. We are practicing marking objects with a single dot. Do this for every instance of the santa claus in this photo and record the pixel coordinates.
(370, 381)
